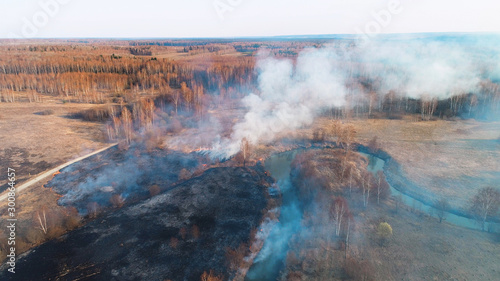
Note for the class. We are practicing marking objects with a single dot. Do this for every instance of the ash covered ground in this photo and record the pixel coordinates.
(91, 183)
(176, 235)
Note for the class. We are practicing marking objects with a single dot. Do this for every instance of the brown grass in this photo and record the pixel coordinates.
(38, 142)
(451, 159)
(420, 248)
(424, 249)
(33, 143)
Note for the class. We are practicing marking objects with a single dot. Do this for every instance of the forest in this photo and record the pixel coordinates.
(199, 76)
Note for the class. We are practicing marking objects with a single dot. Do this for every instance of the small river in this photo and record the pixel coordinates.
(270, 260)
(376, 164)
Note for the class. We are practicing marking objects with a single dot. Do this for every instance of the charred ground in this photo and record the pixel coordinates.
(176, 235)
(126, 175)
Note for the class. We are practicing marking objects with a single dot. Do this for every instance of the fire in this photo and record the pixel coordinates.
(202, 149)
(57, 194)
(56, 173)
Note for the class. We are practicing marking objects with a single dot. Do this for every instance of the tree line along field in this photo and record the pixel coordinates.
(123, 71)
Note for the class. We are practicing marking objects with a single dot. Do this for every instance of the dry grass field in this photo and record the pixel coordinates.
(420, 248)
(33, 142)
(36, 138)
(450, 159)
(424, 249)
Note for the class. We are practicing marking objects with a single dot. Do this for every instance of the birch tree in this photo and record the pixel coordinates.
(485, 204)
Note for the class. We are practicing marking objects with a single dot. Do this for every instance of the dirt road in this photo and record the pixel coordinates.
(48, 173)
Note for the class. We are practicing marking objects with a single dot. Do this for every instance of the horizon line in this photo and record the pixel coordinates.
(289, 36)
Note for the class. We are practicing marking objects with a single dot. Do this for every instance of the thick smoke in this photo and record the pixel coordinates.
(417, 69)
(293, 93)
(291, 96)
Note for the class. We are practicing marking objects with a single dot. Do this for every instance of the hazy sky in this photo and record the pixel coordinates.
(230, 18)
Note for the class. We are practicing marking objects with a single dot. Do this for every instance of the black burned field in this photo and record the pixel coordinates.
(116, 177)
(177, 235)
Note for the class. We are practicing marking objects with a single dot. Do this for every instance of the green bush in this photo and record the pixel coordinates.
(384, 232)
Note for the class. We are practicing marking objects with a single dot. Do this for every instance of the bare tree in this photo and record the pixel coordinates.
(93, 209)
(354, 174)
(344, 135)
(372, 96)
(456, 102)
(485, 204)
(428, 106)
(42, 221)
(442, 207)
(472, 103)
(381, 185)
(126, 121)
(339, 211)
(348, 137)
(117, 123)
(366, 185)
(176, 98)
(318, 135)
(117, 201)
(187, 95)
(373, 145)
(245, 150)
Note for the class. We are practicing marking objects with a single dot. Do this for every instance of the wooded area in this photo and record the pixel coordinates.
(194, 74)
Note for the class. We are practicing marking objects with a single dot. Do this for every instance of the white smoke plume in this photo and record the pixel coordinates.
(292, 94)
(416, 69)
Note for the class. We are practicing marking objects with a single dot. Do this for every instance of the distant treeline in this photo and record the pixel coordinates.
(168, 43)
(83, 77)
(108, 73)
(141, 51)
(482, 105)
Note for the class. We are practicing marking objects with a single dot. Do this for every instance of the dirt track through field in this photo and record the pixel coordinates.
(48, 173)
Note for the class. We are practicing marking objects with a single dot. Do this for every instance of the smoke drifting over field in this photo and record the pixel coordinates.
(127, 175)
(290, 97)
(416, 70)
(293, 93)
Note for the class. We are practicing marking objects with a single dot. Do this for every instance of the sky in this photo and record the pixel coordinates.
(240, 18)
